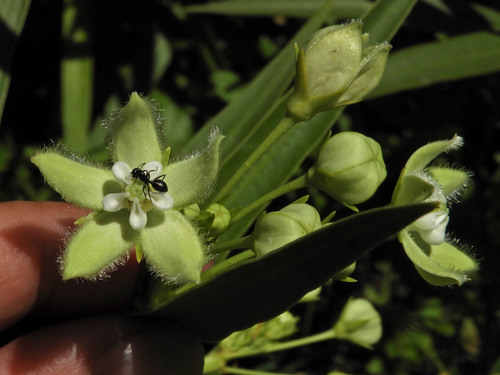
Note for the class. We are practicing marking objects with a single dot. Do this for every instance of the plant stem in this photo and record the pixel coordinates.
(229, 262)
(327, 335)
(298, 183)
(243, 371)
(239, 243)
(286, 123)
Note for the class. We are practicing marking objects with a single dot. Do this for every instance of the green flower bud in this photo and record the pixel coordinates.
(350, 168)
(276, 229)
(335, 68)
(221, 218)
(344, 274)
(359, 323)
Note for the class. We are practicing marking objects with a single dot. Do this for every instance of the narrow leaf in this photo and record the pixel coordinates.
(262, 288)
(77, 75)
(240, 116)
(456, 58)
(384, 19)
(286, 8)
(12, 16)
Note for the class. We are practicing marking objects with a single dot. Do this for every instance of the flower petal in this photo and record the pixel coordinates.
(121, 171)
(442, 264)
(368, 77)
(80, 184)
(435, 236)
(138, 217)
(154, 168)
(162, 201)
(190, 180)
(172, 246)
(113, 202)
(98, 243)
(134, 133)
(425, 154)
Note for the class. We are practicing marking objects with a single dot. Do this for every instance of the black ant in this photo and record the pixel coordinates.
(144, 175)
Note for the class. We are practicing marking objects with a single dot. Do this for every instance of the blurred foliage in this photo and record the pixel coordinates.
(193, 62)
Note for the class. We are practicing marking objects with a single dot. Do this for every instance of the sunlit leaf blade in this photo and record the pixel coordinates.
(262, 288)
(277, 165)
(286, 8)
(12, 16)
(240, 116)
(456, 58)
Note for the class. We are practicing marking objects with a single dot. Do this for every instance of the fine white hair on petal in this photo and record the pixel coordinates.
(137, 218)
(162, 201)
(121, 171)
(113, 202)
(154, 168)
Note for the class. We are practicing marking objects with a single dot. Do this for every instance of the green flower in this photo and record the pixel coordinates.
(437, 258)
(137, 202)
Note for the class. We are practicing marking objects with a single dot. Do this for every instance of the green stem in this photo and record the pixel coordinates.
(298, 183)
(323, 336)
(239, 243)
(286, 123)
(243, 371)
(229, 262)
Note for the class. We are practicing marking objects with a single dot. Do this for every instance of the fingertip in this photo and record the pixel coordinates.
(30, 235)
(105, 345)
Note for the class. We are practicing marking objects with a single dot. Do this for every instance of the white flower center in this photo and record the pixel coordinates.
(144, 189)
(432, 227)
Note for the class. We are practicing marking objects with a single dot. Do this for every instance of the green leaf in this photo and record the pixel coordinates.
(285, 8)
(385, 17)
(99, 243)
(78, 183)
(162, 56)
(259, 289)
(172, 246)
(77, 75)
(276, 166)
(12, 16)
(241, 116)
(490, 14)
(456, 58)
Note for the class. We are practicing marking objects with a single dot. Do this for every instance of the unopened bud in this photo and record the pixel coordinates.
(350, 168)
(276, 229)
(335, 68)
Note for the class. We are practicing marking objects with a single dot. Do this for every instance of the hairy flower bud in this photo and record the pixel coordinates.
(335, 68)
(276, 229)
(349, 168)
